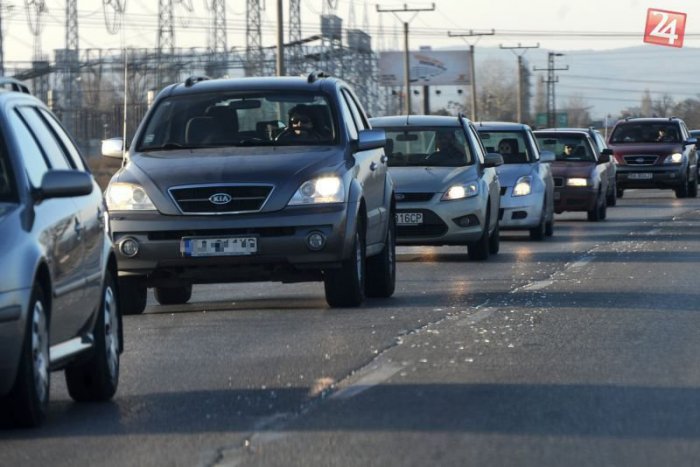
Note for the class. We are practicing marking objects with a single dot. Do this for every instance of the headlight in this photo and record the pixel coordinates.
(523, 186)
(676, 158)
(467, 190)
(319, 190)
(128, 197)
(577, 182)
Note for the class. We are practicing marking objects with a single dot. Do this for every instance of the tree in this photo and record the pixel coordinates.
(646, 104)
(497, 95)
(663, 106)
(577, 112)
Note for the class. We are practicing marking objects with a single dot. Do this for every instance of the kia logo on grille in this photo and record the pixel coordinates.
(639, 160)
(400, 196)
(220, 198)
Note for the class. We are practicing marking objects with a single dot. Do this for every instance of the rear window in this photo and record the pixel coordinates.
(427, 147)
(647, 132)
(240, 119)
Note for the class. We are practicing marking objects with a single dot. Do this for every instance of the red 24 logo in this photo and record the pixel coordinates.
(665, 28)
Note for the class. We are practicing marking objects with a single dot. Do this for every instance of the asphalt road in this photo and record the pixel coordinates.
(579, 350)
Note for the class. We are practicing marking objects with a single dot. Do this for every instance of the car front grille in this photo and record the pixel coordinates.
(413, 197)
(220, 199)
(558, 181)
(642, 159)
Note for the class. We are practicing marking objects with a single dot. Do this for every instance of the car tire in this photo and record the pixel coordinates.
(598, 212)
(620, 193)
(345, 286)
(132, 295)
(479, 250)
(28, 400)
(540, 231)
(611, 199)
(693, 188)
(682, 189)
(381, 268)
(173, 295)
(495, 239)
(97, 378)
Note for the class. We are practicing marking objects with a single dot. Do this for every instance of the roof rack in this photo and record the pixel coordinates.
(314, 75)
(14, 85)
(192, 80)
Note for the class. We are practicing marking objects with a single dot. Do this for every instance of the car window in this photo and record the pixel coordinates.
(34, 162)
(69, 147)
(580, 149)
(512, 145)
(46, 139)
(239, 119)
(349, 119)
(359, 118)
(645, 132)
(7, 186)
(428, 147)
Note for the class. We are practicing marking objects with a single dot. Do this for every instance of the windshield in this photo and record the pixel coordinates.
(427, 147)
(240, 119)
(645, 133)
(510, 144)
(566, 147)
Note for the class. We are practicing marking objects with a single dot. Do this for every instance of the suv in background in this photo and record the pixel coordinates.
(655, 153)
(58, 298)
(254, 179)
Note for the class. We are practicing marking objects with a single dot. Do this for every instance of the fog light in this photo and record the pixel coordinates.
(518, 215)
(129, 247)
(316, 241)
(466, 221)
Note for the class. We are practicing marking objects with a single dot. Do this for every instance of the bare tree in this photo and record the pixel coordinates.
(577, 112)
(662, 107)
(497, 95)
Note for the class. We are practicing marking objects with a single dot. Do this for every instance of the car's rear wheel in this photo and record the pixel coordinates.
(29, 399)
(381, 268)
(345, 286)
(97, 378)
(479, 250)
(173, 295)
(132, 295)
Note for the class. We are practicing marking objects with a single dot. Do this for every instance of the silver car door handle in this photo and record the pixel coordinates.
(373, 166)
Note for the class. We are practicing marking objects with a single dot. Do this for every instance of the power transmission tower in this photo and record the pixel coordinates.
(68, 64)
(472, 65)
(165, 43)
(2, 45)
(520, 51)
(295, 57)
(113, 11)
(218, 46)
(331, 39)
(255, 57)
(552, 79)
(406, 64)
(35, 10)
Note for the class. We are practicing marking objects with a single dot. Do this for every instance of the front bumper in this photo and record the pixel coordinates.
(282, 250)
(650, 176)
(574, 199)
(439, 226)
(520, 212)
(13, 315)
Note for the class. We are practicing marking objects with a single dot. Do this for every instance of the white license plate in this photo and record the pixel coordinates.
(409, 218)
(230, 246)
(640, 176)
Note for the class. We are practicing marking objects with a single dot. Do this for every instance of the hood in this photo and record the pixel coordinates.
(647, 148)
(430, 179)
(581, 169)
(508, 174)
(230, 165)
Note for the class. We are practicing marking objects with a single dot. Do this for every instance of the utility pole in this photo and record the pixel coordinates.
(280, 39)
(473, 62)
(521, 50)
(552, 78)
(406, 62)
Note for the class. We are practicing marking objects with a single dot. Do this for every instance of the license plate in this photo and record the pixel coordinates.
(640, 176)
(409, 218)
(230, 246)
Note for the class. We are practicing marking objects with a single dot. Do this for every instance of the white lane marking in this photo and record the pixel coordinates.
(476, 317)
(538, 285)
(377, 375)
(581, 263)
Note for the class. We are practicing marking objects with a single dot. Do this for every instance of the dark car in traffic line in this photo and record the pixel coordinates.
(58, 296)
(253, 179)
(655, 153)
(580, 172)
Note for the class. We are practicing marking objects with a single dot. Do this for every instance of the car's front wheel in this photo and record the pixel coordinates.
(599, 211)
(611, 199)
(479, 250)
(132, 295)
(693, 188)
(381, 268)
(345, 286)
(97, 378)
(29, 399)
(173, 295)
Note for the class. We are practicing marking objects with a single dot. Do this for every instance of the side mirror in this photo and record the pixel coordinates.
(371, 139)
(547, 156)
(64, 184)
(113, 147)
(493, 159)
(604, 157)
(692, 140)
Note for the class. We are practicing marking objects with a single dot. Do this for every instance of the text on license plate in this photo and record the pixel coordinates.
(640, 176)
(409, 218)
(230, 246)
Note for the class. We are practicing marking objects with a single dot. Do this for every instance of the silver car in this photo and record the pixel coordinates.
(527, 186)
(447, 190)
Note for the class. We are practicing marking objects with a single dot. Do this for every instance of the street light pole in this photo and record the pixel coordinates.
(473, 63)
(406, 58)
(280, 39)
(523, 51)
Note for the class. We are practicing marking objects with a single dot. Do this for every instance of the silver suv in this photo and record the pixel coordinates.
(58, 298)
(256, 179)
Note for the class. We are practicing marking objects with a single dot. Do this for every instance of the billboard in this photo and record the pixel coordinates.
(426, 68)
